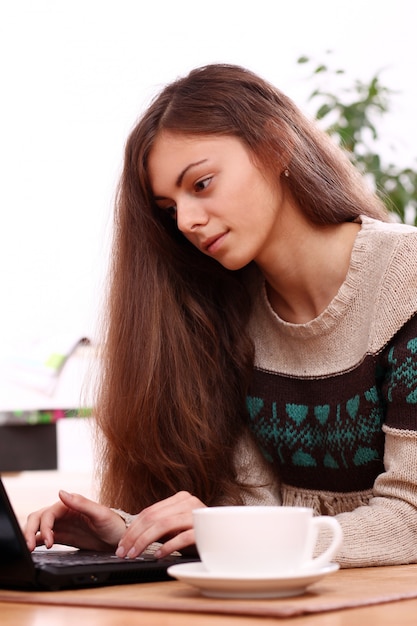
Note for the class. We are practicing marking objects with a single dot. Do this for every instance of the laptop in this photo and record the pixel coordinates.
(68, 569)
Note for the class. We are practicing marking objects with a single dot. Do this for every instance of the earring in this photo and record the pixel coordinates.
(286, 172)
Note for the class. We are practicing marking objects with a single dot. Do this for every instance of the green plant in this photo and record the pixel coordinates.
(351, 118)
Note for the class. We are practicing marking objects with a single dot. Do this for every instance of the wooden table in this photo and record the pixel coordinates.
(16, 614)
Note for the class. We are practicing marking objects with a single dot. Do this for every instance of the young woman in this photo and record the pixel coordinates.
(260, 340)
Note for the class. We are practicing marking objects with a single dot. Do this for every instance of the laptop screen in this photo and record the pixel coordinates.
(15, 561)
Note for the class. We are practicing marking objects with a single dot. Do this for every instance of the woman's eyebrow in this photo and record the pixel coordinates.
(179, 180)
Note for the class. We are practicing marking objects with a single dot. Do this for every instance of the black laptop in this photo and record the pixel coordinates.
(53, 570)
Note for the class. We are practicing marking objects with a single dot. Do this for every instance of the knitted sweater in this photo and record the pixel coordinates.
(333, 402)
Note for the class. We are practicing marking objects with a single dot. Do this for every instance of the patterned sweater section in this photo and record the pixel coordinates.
(327, 433)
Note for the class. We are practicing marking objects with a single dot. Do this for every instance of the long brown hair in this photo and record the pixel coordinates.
(177, 358)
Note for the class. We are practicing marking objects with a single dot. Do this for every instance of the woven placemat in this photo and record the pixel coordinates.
(342, 589)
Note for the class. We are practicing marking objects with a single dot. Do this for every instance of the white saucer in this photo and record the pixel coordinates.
(252, 586)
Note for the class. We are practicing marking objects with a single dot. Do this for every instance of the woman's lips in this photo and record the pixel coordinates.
(212, 245)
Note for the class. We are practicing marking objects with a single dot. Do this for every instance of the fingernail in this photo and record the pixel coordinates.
(131, 554)
(120, 552)
(158, 554)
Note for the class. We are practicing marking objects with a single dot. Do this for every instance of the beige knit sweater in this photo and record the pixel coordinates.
(333, 404)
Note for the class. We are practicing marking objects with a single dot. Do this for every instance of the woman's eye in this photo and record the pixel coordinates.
(201, 185)
(169, 210)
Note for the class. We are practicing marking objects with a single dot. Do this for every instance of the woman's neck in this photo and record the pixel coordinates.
(308, 269)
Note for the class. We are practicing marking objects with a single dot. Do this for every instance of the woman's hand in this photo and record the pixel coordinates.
(169, 521)
(74, 521)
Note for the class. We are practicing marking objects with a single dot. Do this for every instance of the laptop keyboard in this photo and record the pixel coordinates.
(82, 557)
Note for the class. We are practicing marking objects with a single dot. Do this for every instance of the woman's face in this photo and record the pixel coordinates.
(221, 201)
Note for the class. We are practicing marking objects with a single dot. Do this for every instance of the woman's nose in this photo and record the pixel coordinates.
(190, 215)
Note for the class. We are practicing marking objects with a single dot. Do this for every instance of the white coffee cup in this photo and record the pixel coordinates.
(263, 540)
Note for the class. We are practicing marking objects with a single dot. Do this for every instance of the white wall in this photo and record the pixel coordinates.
(75, 446)
(75, 74)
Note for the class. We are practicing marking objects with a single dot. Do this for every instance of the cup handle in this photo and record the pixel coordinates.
(328, 523)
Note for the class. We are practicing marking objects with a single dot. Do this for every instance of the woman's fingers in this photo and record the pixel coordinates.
(78, 521)
(98, 514)
(40, 524)
(170, 518)
(179, 542)
(74, 520)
